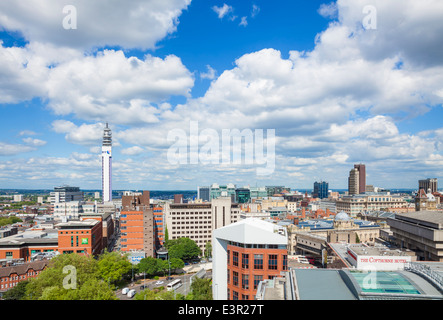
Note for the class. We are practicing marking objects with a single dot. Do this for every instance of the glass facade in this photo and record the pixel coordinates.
(242, 195)
(321, 189)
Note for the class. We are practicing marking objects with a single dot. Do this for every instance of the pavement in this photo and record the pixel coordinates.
(197, 267)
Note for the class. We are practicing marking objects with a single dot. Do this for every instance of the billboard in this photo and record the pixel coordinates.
(135, 257)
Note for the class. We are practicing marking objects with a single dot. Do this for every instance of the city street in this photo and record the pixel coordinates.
(151, 284)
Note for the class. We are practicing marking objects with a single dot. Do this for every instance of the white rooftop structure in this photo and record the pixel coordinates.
(253, 231)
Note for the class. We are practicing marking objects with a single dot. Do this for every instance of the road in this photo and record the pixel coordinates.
(151, 284)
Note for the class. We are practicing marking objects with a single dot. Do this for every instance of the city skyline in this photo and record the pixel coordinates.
(341, 83)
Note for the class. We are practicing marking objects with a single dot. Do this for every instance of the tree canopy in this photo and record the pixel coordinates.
(183, 248)
(201, 289)
(112, 265)
(76, 277)
(158, 294)
(152, 266)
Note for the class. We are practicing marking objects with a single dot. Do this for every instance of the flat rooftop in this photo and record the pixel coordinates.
(348, 284)
(49, 236)
(431, 219)
(362, 250)
(76, 224)
(322, 284)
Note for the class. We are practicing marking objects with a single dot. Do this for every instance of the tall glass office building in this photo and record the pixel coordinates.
(320, 189)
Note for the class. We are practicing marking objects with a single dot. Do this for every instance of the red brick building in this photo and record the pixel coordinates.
(107, 225)
(245, 253)
(23, 246)
(248, 266)
(137, 224)
(84, 237)
(159, 229)
(11, 276)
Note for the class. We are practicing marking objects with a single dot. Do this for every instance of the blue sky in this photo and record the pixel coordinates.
(336, 91)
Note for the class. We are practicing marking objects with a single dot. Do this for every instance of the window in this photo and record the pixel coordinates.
(245, 261)
(235, 258)
(245, 281)
(8, 254)
(272, 262)
(258, 261)
(285, 262)
(234, 295)
(257, 280)
(235, 278)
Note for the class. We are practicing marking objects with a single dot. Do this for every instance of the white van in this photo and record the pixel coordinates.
(131, 293)
(125, 290)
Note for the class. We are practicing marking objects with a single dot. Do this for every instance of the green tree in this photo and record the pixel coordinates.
(166, 236)
(84, 280)
(184, 249)
(176, 263)
(163, 266)
(112, 266)
(158, 294)
(208, 250)
(4, 221)
(201, 289)
(18, 292)
(149, 265)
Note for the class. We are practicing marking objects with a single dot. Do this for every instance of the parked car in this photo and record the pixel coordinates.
(131, 293)
(159, 282)
(125, 290)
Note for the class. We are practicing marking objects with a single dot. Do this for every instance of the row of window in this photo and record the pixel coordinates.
(72, 232)
(10, 254)
(193, 227)
(192, 217)
(199, 213)
(194, 235)
(258, 261)
(196, 240)
(256, 246)
(19, 277)
(244, 280)
(72, 251)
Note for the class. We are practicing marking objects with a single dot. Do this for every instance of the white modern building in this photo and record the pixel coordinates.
(66, 194)
(68, 210)
(18, 197)
(107, 164)
(198, 220)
